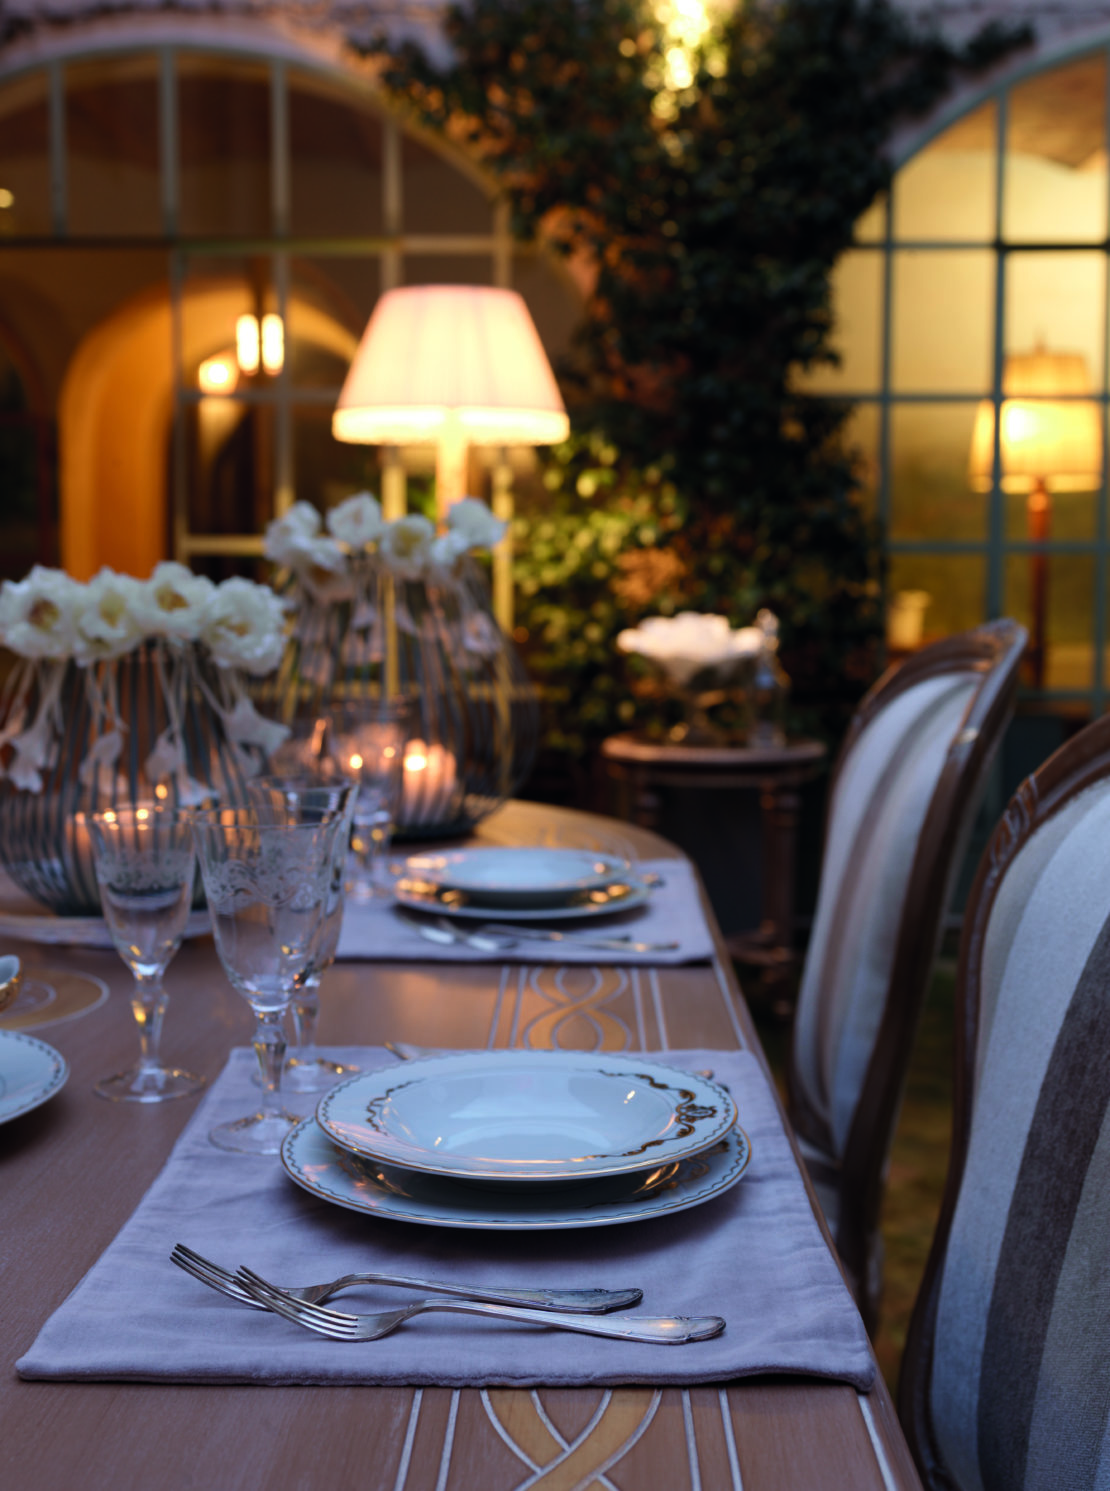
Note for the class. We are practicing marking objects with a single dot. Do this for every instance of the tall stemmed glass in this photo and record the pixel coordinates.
(267, 882)
(145, 869)
(310, 799)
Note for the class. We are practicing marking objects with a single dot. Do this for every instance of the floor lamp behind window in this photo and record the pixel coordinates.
(1050, 441)
(453, 366)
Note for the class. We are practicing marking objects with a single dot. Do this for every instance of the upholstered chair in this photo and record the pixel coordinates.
(904, 793)
(1006, 1376)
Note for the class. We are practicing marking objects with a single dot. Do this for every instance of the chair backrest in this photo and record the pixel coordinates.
(1006, 1376)
(902, 802)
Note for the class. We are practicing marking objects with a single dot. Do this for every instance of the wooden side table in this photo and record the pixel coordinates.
(778, 773)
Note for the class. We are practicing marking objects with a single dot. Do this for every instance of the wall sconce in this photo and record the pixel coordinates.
(260, 344)
(1050, 441)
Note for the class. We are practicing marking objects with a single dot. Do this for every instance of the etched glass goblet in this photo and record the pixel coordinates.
(267, 881)
(145, 870)
(308, 799)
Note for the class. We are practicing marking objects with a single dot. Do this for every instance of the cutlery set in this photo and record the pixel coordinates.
(587, 1311)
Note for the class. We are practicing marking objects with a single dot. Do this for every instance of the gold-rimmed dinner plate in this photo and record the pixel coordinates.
(517, 876)
(599, 901)
(31, 1072)
(540, 1117)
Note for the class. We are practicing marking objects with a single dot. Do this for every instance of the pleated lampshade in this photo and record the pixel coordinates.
(450, 361)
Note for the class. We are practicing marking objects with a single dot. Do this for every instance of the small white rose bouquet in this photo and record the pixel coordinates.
(698, 658)
(194, 640)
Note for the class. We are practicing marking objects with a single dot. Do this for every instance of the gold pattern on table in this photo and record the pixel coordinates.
(558, 1463)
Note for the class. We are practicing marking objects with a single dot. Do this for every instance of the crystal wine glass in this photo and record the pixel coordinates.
(367, 743)
(308, 799)
(267, 881)
(145, 869)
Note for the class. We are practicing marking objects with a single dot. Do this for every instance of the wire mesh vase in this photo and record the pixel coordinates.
(428, 641)
(145, 727)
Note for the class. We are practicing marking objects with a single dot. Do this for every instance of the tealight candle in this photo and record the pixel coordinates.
(431, 774)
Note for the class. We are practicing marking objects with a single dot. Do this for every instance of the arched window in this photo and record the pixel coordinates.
(191, 243)
(980, 286)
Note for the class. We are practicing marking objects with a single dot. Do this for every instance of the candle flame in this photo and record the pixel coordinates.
(355, 763)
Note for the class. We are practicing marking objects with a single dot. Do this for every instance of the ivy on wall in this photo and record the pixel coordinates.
(706, 221)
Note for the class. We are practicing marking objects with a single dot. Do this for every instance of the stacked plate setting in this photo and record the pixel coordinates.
(521, 1140)
(520, 884)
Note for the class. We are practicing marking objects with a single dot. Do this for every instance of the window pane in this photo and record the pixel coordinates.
(218, 291)
(930, 493)
(326, 470)
(330, 303)
(857, 300)
(943, 321)
(954, 586)
(1058, 302)
(947, 190)
(224, 128)
(335, 146)
(25, 156)
(112, 146)
(861, 437)
(229, 466)
(871, 227)
(552, 298)
(1055, 181)
(448, 269)
(438, 196)
(1069, 597)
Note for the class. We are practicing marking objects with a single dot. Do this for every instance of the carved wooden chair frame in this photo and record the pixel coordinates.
(994, 651)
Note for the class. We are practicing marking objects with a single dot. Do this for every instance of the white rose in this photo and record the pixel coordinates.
(174, 602)
(245, 627)
(356, 522)
(295, 542)
(472, 520)
(446, 549)
(108, 623)
(406, 546)
(38, 615)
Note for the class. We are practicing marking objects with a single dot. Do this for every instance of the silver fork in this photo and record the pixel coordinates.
(571, 1301)
(337, 1326)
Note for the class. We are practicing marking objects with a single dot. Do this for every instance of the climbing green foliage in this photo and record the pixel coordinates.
(699, 475)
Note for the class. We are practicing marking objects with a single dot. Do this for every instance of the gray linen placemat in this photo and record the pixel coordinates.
(672, 913)
(754, 1255)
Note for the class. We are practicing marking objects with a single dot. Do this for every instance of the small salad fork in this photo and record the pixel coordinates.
(669, 1330)
(570, 1301)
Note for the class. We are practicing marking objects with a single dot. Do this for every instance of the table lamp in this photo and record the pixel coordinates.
(453, 365)
(1050, 441)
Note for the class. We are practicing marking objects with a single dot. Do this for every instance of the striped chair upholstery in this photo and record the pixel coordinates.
(902, 803)
(1006, 1382)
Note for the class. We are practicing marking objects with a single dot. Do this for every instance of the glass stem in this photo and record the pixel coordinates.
(306, 1007)
(269, 1047)
(148, 1005)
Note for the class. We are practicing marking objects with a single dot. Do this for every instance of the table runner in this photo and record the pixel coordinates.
(754, 1255)
(673, 913)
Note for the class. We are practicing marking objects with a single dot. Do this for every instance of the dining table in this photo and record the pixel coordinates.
(74, 1170)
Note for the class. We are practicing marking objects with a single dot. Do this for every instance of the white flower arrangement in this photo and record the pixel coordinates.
(50, 621)
(408, 546)
(691, 644)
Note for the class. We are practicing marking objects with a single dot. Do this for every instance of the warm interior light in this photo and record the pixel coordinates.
(217, 375)
(1045, 439)
(355, 762)
(273, 344)
(161, 791)
(248, 344)
(7, 197)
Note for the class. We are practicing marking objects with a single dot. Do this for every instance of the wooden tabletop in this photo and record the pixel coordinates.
(74, 1170)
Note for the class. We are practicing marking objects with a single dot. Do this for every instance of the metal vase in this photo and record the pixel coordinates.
(44, 843)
